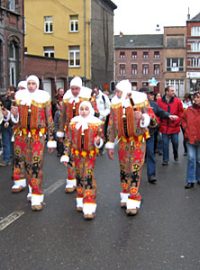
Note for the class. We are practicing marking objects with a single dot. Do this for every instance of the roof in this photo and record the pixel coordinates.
(110, 4)
(138, 41)
(196, 18)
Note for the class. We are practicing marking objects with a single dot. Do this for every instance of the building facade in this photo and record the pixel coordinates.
(11, 42)
(139, 58)
(174, 58)
(159, 57)
(78, 31)
(52, 72)
(193, 53)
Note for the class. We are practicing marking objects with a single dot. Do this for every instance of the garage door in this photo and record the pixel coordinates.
(60, 84)
(47, 86)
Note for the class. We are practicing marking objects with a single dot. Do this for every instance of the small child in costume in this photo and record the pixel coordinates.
(84, 138)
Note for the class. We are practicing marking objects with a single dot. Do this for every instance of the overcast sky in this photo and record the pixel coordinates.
(142, 16)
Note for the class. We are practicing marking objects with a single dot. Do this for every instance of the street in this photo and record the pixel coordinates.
(163, 236)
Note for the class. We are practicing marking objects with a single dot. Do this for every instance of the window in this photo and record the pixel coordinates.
(156, 69)
(122, 55)
(11, 5)
(195, 31)
(134, 85)
(74, 56)
(195, 62)
(178, 85)
(145, 69)
(175, 64)
(175, 42)
(157, 54)
(145, 84)
(73, 23)
(145, 55)
(195, 47)
(48, 24)
(13, 63)
(122, 69)
(48, 52)
(134, 69)
(134, 55)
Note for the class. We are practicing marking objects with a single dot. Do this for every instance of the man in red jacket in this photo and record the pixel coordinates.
(170, 128)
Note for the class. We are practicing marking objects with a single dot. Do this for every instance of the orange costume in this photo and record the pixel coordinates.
(128, 125)
(33, 122)
(81, 151)
(71, 109)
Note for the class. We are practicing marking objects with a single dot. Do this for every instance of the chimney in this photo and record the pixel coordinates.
(157, 28)
(188, 15)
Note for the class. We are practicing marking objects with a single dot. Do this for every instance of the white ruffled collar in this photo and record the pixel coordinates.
(83, 123)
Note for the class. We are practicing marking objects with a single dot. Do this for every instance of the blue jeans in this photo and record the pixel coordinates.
(150, 157)
(193, 163)
(174, 139)
(6, 141)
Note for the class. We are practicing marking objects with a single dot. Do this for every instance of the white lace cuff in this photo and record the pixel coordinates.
(51, 144)
(145, 121)
(109, 145)
(60, 134)
(64, 158)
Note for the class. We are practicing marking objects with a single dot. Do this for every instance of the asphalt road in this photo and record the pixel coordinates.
(165, 235)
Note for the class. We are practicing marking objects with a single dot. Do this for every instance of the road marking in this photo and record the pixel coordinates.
(53, 187)
(4, 223)
(10, 219)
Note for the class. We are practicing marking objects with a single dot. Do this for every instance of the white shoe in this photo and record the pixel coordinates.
(132, 206)
(79, 204)
(124, 199)
(70, 186)
(18, 186)
(89, 210)
(37, 202)
(29, 195)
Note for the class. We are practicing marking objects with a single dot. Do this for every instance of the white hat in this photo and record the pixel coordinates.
(22, 84)
(124, 86)
(33, 78)
(76, 81)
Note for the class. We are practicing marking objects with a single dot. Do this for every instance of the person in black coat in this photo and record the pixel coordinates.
(150, 153)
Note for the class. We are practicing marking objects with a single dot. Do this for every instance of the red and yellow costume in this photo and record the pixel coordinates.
(32, 124)
(131, 134)
(70, 110)
(82, 151)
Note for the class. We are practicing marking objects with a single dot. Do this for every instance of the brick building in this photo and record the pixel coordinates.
(52, 72)
(11, 42)
(174, 58)
(193, 53)
(171, 58)
(139, 58)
